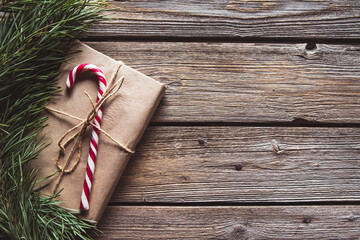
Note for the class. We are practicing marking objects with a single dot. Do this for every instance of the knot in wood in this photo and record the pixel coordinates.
(201, 141)
(276, 147)
(238, 166)
(241, 232)
(307, 220)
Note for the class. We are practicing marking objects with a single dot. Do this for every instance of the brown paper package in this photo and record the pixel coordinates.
(125, 117)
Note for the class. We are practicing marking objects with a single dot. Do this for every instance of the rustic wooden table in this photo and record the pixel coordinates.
(258, 134)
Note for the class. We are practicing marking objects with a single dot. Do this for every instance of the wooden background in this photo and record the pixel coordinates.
(258, 134)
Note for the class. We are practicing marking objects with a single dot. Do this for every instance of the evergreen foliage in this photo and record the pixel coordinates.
(34, 36)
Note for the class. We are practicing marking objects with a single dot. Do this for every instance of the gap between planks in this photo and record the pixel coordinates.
(295, 123)
(231, 204)
(338, 41)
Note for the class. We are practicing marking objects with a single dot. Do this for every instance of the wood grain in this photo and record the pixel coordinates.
(247, 82)
(316, 19)
(245, 223)
(243, 165)
(192, 170)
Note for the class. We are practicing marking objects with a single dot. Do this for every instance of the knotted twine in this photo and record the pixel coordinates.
(78, 137)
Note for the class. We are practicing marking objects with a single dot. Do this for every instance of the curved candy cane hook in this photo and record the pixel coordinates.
(90, 168)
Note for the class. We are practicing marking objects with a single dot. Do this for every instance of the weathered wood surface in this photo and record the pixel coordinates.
(245, 223)
(247, 82)
(191, 170)
(243, 164)
(316, 19)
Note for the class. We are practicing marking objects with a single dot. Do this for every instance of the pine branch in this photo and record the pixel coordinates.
(34, 36)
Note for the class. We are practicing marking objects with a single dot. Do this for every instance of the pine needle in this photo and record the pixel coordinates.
(34, 36)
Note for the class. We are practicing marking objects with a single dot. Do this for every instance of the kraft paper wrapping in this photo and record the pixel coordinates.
(125, 117)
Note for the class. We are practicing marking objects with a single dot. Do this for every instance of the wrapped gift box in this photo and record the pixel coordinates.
(125, 117)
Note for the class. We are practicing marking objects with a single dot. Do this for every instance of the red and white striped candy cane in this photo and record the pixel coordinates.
(90, 168)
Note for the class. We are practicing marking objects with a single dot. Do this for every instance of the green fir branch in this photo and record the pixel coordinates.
(34, 36)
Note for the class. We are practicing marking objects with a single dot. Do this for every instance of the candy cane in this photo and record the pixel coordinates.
(90, 168)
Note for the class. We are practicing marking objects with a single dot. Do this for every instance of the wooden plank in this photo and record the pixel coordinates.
(243, 164)
(336, 19)
(246, 82)
(279, 222)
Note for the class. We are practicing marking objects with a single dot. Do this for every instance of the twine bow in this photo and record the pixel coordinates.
(78, 137)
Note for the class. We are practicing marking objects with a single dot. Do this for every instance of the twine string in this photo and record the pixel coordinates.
(78, 136)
